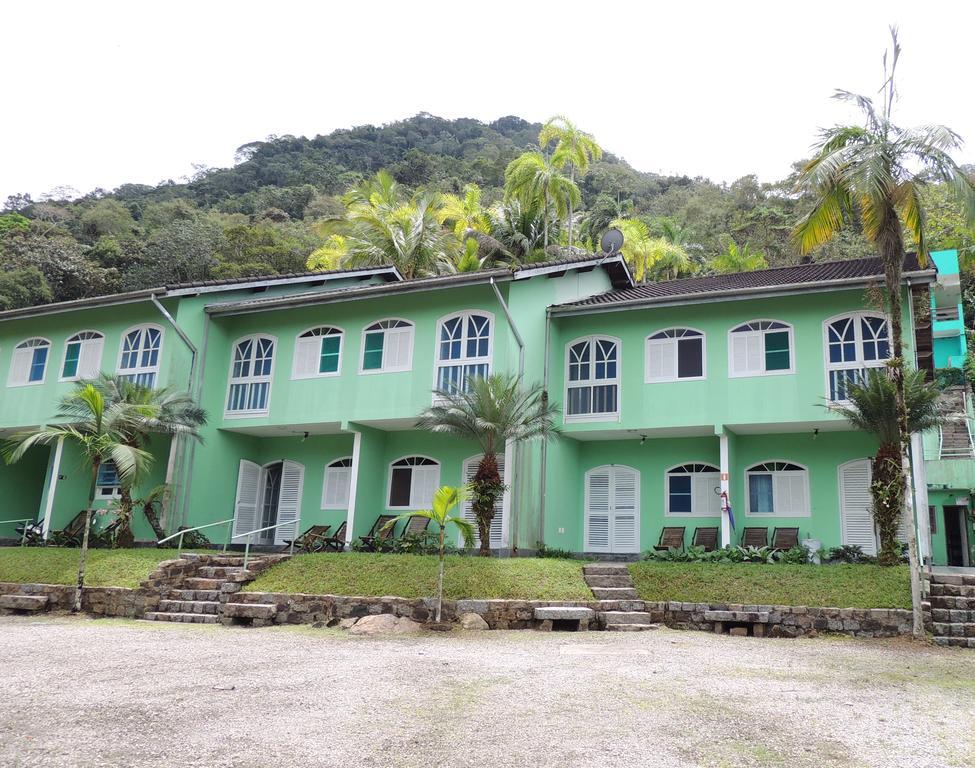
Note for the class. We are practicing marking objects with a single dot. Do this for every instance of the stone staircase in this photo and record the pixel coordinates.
(621, 610)
(950, 611)
(956, 441)
(196, 588)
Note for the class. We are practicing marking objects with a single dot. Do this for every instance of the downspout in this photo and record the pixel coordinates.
(196, 395)
(542, 484)
(512, 524)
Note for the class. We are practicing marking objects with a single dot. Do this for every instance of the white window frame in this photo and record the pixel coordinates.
(251, 379)
(20, 378)
(114, 491)
(592, 381)
(335, 464)
(463, 359)
(97, 339)
(651, 343)
(694, 513)
(415, 503)
(141, 370)
(338, 332)
(410, 331)
(859, 364)
(802, 472)
(732, 333)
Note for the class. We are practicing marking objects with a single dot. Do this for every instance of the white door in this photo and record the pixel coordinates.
(249, 482)
(498, 521)
(289, 501)
(612, 521)
(856, 517)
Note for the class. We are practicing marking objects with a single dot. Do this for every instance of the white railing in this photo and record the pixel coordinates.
(247, 544)
(26, 521)
(179, 534)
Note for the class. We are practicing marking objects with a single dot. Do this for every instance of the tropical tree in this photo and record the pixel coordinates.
(536, 177)
(97, 428)
(575, 150)
(493, 411)
(738, 258)
(873, 408)
(651, 257)
(875, 172)
(466, 213)
(518, 227)
(445, 499)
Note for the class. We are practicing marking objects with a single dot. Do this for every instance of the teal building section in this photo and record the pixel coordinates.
(948, 319)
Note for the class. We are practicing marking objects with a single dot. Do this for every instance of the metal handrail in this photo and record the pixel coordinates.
(247, 545)
(23, 536)
(179, 547)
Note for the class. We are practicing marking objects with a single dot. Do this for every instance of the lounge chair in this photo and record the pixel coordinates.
(705, 537)
(754, 537)
(33, 536)
(310, 540)
(416, 526)
(72, 534)
(335, 542)
(670, 538)
(785, 538)
(380, 532)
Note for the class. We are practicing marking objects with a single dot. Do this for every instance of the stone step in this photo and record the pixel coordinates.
(611, 618)
(953, 615)
(630, 627)
(23, 602)
(220, 571)
(250, 610)
(952, 629)
(605, 569)
(956, 579)
(196, 582)
(614, 593)
(620, 605)
(183, 618)
(189, 606)
(209, 595)
(952, 590)
(956, 642)
(622, 580)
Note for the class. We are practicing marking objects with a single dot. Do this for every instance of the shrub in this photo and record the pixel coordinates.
(561, 554)
(849, 553)
(951, 377)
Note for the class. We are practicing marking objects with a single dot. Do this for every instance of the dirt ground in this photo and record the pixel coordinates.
(83, 692)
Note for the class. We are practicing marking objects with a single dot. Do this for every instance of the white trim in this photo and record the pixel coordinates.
(332, 465)
(295, 376)
(753, 374)
(675, 341)
(251, 379)
(802, 472)
(353, 487)
(591, 382)
(140, 369)
(52, 486)
(384, 368)
(859, 363)
(611, 510)
(389, 479)
(920, 472)
(724, 464)
(22, 379)
(669, 472)
(463, 359)
(72, 340)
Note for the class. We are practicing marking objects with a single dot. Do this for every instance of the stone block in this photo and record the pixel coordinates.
(249, 611)
(24, 602)
(554, 613)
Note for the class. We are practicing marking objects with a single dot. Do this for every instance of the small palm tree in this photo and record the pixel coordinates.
(873, 408)
(574, 149)
(536, 177)
(97, 428)
(493, 411)
(738, 258)
(651, 257)
(466, 212)
(445, 499)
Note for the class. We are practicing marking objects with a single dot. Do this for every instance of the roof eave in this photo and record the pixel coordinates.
(392, 272)
(91, 303)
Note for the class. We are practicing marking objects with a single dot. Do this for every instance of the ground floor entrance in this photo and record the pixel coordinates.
(268, 501)
(956, 535)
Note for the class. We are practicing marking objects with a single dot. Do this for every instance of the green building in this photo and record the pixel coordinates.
(676, 398)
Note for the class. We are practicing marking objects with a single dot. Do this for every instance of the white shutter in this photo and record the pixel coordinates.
(626, 510)
(467, 510)
(597, 509)
(396, 349)
(704, 501)
(20, 363)
(856, 506)
(289, 501)
(307, 357)
(90, 358)
(248, 490)
(789, 494)
(335, 493)
(424, 484)
(747, 349)
(662, 360)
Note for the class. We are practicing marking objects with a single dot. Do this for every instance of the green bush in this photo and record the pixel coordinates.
(952, 377)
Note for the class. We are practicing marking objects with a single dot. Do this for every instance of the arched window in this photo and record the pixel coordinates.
(760, 348)
(250, 376)
(463, 349)
(777, 488)
(387, 346)
(592, 378)
(854, 343)
(82, 356)
(318, 352)
(338, 481)
(140, 353)
(690, 490)
(28, 364)
(412, 482)
(675, 353)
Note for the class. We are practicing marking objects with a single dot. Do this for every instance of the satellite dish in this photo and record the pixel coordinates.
(611, 241)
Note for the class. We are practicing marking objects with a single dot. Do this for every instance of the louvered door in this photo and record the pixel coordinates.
(249, 477)
(612, 522)
(856, 517)
(497, 522)
(289, 501)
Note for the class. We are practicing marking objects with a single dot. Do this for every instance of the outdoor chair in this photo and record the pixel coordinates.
(378, 534)
(785, 538)
(416, 526)
(705, 537)
(34, 535)
(754, 537)
(310, 540)
(335, 542)
(72, 533)
(670, 538)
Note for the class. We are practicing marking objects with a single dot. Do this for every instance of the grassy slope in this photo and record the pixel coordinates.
(416, 576)
(836, 586)
(104, 567)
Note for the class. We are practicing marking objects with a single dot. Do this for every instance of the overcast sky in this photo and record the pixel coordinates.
(101, 93)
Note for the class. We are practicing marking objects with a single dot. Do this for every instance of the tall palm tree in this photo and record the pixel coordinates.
(574, 148)
(97, 429)
(535, 176)
(738, 258)
(651, 257)
(493, 411)
(873, 408)
(466, 212)
(875, 173)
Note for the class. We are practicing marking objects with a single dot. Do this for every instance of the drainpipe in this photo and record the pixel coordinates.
(542, 484)
(196, 394)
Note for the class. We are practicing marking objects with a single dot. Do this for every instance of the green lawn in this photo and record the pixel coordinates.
(376, 575)
(833, 586)
(104, 567)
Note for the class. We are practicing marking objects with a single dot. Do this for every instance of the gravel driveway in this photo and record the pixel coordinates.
(81, 692)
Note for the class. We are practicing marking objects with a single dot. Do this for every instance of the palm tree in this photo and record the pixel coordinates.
(444, 499)
(518, 228)
(651, 257)
(738, 258)
(534, 176)
(875, 172)
(466, 212)
(97, 429)
(493, 411)
(574, 148)
(873, 408)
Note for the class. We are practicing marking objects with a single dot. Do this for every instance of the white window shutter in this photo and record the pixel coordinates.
(20, 366)
(424, 484)
(396, 349)
(90, 358)
(626, 510)
(335, 494)
(856, 507)
(289, 501)
(739, 353)
(248, 492)
(597, 510)
(307, 355)
(467, 511)
(747, 349)
(662, 360)
(702, 493)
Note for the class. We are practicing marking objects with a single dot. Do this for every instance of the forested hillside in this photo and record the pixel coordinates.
(287, 203)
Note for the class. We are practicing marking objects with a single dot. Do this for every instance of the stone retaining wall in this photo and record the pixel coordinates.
(98, 601)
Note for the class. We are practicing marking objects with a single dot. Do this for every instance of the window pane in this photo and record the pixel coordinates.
(399, 488)
(37, 364)
(604, 399)
(71, 355)
(107, 474)
(690, 358)
(372, 358)
(760, 494)
(680, 494)
(777, 351)
(329, 362)
(579, 401)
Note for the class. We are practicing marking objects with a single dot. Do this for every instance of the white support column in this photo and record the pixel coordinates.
(353, 487)
(725, 488)
(52, 485)
(920, 482)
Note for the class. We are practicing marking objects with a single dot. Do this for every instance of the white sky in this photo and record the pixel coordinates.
(99, 93)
